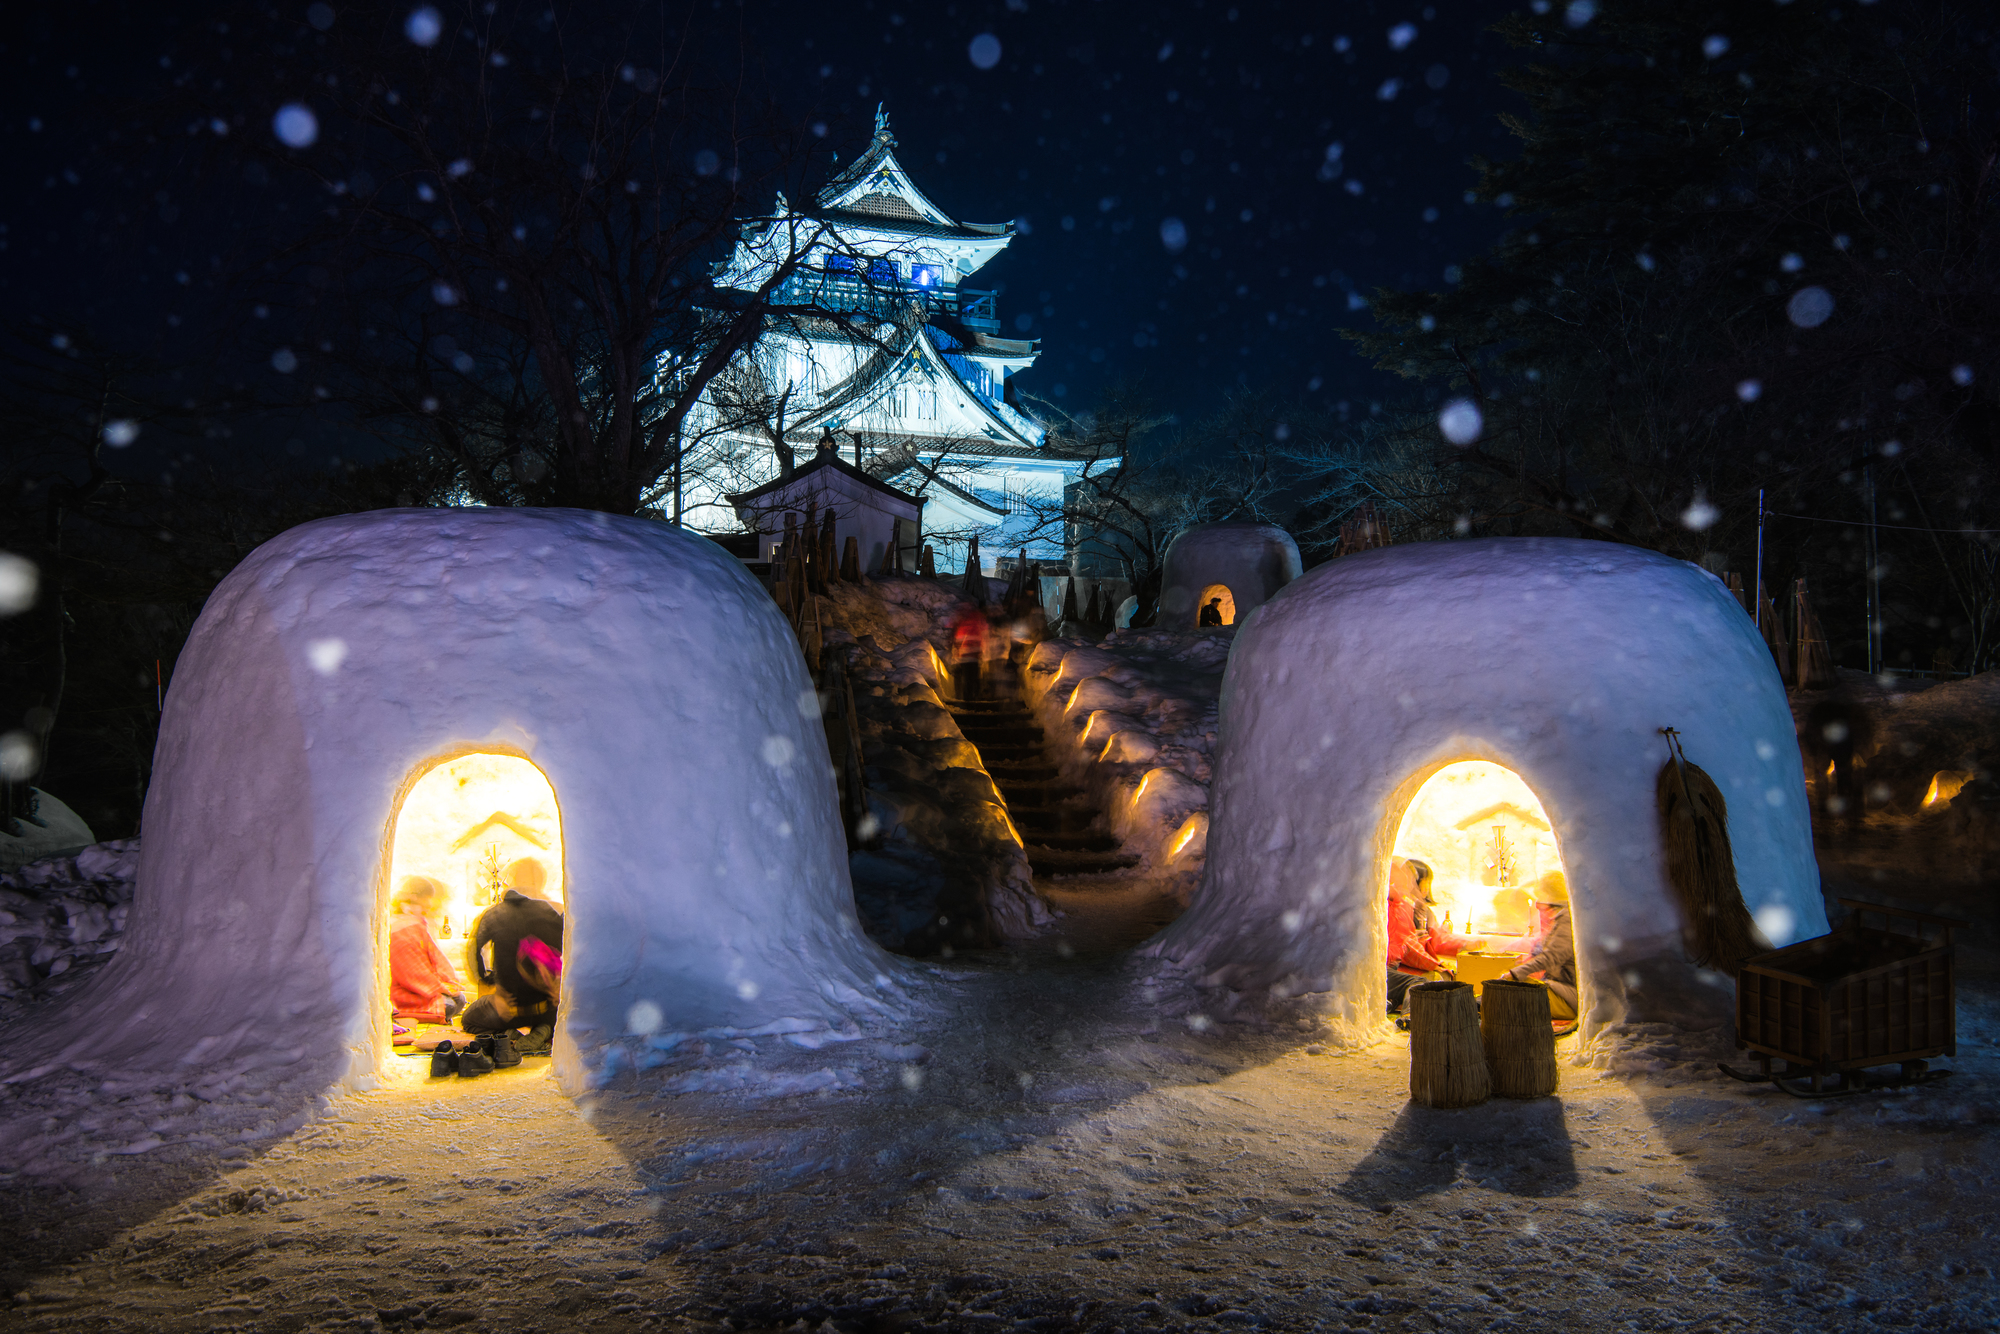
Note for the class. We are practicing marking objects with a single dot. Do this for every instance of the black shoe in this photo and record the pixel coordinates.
(444, 1061)
(538, 1042)
(476, 1058)
(501, 1048)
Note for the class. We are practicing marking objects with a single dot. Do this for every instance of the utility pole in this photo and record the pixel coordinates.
(1873, 554)
(1757, 607)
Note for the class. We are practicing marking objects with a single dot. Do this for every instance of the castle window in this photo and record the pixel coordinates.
(927, 407)
(926, 276)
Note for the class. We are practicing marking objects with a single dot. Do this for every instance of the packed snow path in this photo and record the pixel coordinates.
(1059, 1154)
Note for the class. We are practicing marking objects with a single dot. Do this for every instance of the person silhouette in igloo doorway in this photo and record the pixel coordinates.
(520, 988)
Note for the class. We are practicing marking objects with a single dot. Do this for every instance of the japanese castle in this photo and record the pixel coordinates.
(908, 384)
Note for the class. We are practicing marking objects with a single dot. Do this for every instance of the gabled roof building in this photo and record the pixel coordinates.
(903, 371)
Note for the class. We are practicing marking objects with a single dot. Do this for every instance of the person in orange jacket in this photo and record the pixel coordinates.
(422, 983)
(1417, 943)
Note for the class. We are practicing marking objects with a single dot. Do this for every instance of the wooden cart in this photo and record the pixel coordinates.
(1831, 1007)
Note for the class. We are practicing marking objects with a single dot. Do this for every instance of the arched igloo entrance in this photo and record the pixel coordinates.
(467, 827)
(1249, 562)
(1557, 659)
(1215, 605)
(465, 819)
(641, 671)
(1491, 847)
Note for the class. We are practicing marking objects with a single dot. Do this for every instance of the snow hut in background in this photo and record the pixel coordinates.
(1516, 688)
(621, 700)
(1239, 565)
(882, 517)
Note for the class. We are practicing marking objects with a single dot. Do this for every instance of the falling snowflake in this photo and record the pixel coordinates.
(295, 125)
(424, 26)
(1810, 307)
(1461, 421)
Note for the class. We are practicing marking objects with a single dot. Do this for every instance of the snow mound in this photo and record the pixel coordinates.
(51, 829)
(1560, 660)
(1251, 560)
(643, 671)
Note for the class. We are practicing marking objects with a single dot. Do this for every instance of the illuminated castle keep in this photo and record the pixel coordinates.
(908, 382)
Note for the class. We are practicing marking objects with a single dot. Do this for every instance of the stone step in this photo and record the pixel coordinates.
(1011, 735)
(1077, 842)
(1010, 754)
(1049, 861)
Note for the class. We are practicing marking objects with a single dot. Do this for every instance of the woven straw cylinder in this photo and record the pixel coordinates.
(1520, 1045)
(1447, 1061)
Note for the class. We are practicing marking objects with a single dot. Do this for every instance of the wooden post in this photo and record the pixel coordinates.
(1520, 1043)
(1447, 1058)
(850, 560)
(929, 566)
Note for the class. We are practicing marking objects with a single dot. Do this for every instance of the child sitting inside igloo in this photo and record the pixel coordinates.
(1552, 956)
(422, 983)
(521, 986)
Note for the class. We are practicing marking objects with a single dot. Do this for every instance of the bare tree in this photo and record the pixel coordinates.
(515, 212)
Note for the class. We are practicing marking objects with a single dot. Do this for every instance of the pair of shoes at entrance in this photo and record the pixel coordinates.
(481, 1056)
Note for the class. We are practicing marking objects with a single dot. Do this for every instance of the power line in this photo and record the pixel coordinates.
(1863, 523)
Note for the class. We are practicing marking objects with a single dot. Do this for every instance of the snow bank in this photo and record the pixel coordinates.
(60, 919)
(643, 671)
(1135, 717)
(1559, 659)
(50, 830)
(1252, 560)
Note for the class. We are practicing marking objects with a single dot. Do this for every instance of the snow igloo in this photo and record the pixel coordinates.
(442, 692)
(1232, 568)
(1493, 707)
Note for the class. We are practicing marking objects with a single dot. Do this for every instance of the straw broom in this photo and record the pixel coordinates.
(1447, 1059)
(1720, 932)
(1520, 1044)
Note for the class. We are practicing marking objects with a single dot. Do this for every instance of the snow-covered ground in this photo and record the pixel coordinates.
(1076, 1146)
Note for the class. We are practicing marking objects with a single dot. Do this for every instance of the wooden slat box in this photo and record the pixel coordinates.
(1857, 997)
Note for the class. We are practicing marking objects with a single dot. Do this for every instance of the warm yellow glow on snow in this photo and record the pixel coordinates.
(1228, 607)
(1945, 784)
(1487, 840)
(469, 819)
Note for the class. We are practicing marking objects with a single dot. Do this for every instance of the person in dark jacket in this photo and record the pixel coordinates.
(512, 998)
(1554, 957)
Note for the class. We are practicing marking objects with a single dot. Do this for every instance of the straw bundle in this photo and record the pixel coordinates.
(1719, 931)
(1520, 1044)
(1447, 1059)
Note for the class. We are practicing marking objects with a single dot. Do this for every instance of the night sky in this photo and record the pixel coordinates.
(1206, 192)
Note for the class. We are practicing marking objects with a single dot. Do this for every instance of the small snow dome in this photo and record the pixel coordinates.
(1493, 708)
(1226, 569)
(450, 694)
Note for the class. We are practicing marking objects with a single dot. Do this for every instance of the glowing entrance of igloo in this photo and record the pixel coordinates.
(1492, 851)
(465, 820)
(1217, 606)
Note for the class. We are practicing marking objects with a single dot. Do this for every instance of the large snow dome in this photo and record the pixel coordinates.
(1239, 564)
(1551, 663)
(442, 692)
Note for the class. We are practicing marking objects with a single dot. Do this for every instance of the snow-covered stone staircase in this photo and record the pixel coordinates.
(1053, 818)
